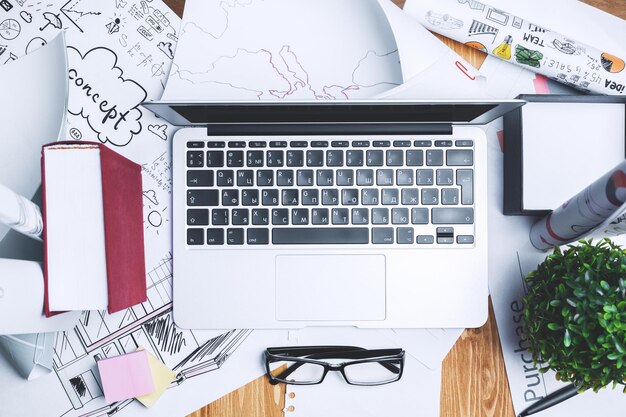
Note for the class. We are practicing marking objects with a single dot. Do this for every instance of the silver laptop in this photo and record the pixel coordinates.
(291, 214)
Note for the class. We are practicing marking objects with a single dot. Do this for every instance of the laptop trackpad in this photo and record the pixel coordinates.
(330, 287)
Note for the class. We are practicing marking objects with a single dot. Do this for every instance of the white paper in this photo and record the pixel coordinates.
(30, 354)
(21, 301)
(31, 114)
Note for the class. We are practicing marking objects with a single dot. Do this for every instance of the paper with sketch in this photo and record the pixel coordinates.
(30, 354)
(511, 256)
(32, 114)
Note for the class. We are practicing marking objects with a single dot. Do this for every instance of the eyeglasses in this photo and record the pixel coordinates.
(303, 365)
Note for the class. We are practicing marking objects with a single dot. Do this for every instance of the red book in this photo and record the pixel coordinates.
(93, 229)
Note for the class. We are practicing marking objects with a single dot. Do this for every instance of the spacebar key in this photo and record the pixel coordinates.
(322, 235)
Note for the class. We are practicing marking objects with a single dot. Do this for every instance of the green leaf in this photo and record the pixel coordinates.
(554, 326)
(567, 340)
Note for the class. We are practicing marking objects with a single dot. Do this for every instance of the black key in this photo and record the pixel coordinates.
(234, 158)
(230, 197)
(430, 196)
(245, 178)
(384, 177)
(449, 196)
(360, 216)
(434, 157)
(354, 158)
(345, 177)
(250, 197)
(290, 197)
(240, 217)
(264, 178)
(195, 145)
(425, 239)
(202, 198)
(465, 239)
(415, 157)
(340, 144)
(400, 216)
(381, 144)
(269, 197)
(424, 177)
(340, 216)
(382, 235)
(390, 196)
(215, 159)
(298, 144)
(215, 145)
(445, 240)
(422, 143)
(419, 216)
(410, 196)
(375, 158)
(360, 143)
(404, 235)
(195, 236)
(319, 144)
(404, 177)
(280, 216)
(278, 144)
(254, 158)
(219, 217)
(445, 177)
(380, 216)
(197, 178)
(350, 197)
(323, 235)
(464, 178)
(236, 144)
(284, 178)
(453, 215)
(395, 158)
(197, 217)
(234, 236)
(319, 216)
(275, 158)
(369, 196)
(401, 143)
(364, 177)
(225, 177)
(305, 177)
(258, 236)
(310, 197)
(443, 143)
(295, 158)
(195, 159)
(330, 197)
(460, 157)
(300, 216)
(464, 143)
(214, 236)
(445, 231)
(324, 177)
(314, 158)
(334, 158)
(257, 144)
(260, 217)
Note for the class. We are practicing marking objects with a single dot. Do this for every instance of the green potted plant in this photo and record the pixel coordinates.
(575, 314)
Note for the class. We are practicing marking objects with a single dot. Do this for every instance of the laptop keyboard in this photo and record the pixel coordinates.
(398, 191)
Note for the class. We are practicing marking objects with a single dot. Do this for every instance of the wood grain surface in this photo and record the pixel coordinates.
(474, 380)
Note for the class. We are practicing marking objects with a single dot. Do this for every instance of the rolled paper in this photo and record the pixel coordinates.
(30, 354)
(600, 202)
(518, 41)
(20, 214)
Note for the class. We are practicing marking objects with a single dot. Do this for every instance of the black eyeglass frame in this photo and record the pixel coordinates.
(388, 358)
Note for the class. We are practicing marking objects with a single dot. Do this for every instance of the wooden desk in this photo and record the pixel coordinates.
(474, 380)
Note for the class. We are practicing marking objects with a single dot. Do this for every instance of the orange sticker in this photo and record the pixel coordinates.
(477, 45)
(611, 63)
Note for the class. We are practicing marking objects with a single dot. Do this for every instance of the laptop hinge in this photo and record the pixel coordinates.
(330, 129)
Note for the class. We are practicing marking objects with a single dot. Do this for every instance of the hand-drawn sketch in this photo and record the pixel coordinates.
(166, 48)
(26, 17)
(480, 28)
(473, 4)
(51, 19)
(75, 11)
(497, 16)
(10, 29)
(6, 5)
(34, 44)
(443, 20)
(160, 131)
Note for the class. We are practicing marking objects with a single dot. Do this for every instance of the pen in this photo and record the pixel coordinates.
(20, 214)
(550, 400)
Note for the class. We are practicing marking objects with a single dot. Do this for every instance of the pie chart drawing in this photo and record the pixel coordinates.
(10, 29)
(611, 63)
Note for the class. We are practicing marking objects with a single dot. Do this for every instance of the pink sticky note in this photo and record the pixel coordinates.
(126, 376)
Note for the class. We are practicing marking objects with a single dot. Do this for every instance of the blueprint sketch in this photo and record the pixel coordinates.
(333, 50)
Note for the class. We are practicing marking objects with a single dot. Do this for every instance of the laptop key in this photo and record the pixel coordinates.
(269, 197)
(195, 145)
(234, 236)
(460, 157)
(195, 236)
(255, 158)
(330, 197)
(214, 159)
(402, 143)
(236, 144)
(404, 177)
(215, 144)
(382, 235)
(345, 177)
(415, 157)
(230, 197)
(225, 178)
(425, 239)
(300, 216)
(354, 158)
(290, 197)
(310, 197)
(360, 143)
(319, 144)
(197, 217)
(430, 196)
(453, 215)
(434, 157)
(369, 196)
(424, 177)
(465, 239)
(257, 144)
(275, 158)
(284, 178)
(305, 177)
(400, 216)
(375, 158)
(340, 216)
(245, 178)
(449, 196)
(360, 216)
(298, 144)
(445, 177)
(197, 178)
(340, 144)
(265, 178)
(257, 236)
(364, 177)
(422, 143)
(404, 235)
(324, 177)
(350, 196)
(314, 158)
(390, 196)
(234, 158)
(464, 143)
(410, 196)
(464, 178)
(443, 143)
(381, 143)
(240, 217)
(202, 197)
(334, 158)
(195, 159)
(380, 216)
(219, 217)
(395, 158)
(280, 216)
(260, 217)
(419, 216)
(249, 197)
(215, 236)
(319, 216)
(295, 158)
(384, 177)
(278, 144)
(321, 235)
